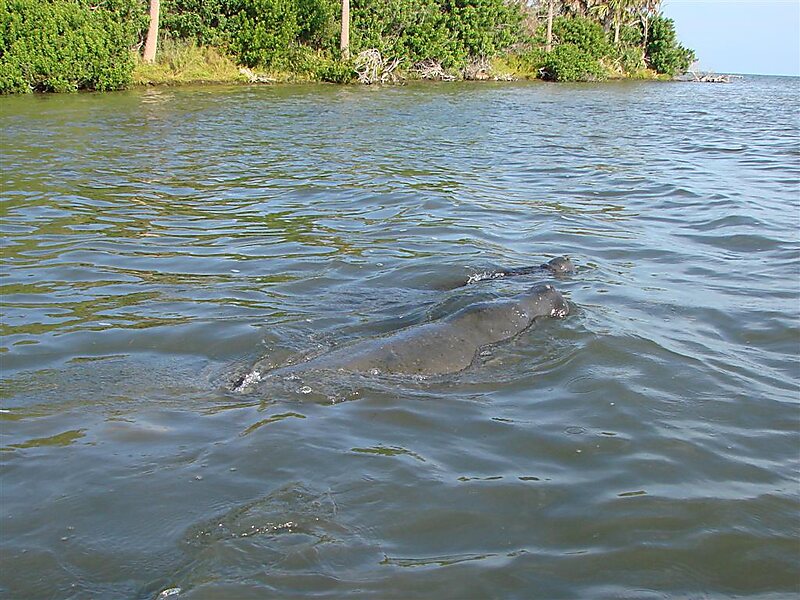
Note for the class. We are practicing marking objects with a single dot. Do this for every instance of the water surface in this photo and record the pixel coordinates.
(157, 241)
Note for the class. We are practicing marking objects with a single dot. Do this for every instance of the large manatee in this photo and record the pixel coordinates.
(447, 345)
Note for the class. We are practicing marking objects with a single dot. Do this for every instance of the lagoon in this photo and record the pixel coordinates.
(156, 240)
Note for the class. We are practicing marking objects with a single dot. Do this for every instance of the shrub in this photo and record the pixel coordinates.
(204, 21)
(526, 63)
(585, 34)
(568, 62)
(334, 71)
(631, 35)
(483, 27)
(410, 29)
(264, 31)
(631, 58)
(274, 34)
(63, 46)
(302, 63)
(319, 23)
(447, 31)
(257, 32)
(664, 53)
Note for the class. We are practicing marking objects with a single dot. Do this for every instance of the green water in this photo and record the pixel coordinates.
(157, 242)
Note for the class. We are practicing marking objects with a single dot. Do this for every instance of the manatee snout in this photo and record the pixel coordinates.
(561, 265)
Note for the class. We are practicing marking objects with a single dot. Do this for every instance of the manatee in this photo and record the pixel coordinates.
(558, 266)
(447, 345)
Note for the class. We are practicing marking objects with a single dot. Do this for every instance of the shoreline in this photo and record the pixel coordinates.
(245, 76)
(242, 82)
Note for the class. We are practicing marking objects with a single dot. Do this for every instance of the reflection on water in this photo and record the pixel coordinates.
(157, 243)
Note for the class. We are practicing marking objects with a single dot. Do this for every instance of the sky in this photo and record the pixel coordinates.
(740, 36)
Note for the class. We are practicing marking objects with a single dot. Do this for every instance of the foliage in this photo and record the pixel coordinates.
(523, 64)
(204, 21)
(583, 33)
(448, 31)
(72, 44)
(411, 29)
(65, 46)
(568, 62)
(183, 61)
(264, 33)
(319, 22)
(631, 35)
(664, 53)
(301, 63)
(482, 28)
(334, 70)
(630, 59)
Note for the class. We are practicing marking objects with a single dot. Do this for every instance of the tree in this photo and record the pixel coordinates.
(152, 32)
(549, 45)
(345, 37)
(664, 53)
(647, 9)
(614, 11)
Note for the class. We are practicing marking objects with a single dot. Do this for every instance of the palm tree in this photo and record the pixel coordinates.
(614, 11)
(152, 32)
(580, 8)
(345, 38)
(647, 9)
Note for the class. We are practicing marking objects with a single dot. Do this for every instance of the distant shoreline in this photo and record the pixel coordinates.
(65, 46)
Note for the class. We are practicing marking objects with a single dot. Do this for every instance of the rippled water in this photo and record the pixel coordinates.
(157, 242)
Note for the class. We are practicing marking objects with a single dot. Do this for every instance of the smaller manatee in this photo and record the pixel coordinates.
(558, 266)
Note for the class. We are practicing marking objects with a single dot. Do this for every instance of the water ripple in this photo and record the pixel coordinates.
(157, 242)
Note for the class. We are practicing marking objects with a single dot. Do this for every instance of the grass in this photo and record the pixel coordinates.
(184, 62)
(181, 62)
(519, 66)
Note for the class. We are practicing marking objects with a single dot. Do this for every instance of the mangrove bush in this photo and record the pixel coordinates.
(65, 46)
(664, 53)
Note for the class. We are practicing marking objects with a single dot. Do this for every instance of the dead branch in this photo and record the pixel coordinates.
(432, 69)
(478, 69)
(372, 68)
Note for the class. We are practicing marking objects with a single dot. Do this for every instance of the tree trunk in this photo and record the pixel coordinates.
(549, 45)
(152, 32)
(345, 40)
(616, 32)
(646, 27)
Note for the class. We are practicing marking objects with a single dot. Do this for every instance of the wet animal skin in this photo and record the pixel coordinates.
(443, 346)
(558, 266)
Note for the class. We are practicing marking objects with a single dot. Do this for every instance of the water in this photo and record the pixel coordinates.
(156, 242)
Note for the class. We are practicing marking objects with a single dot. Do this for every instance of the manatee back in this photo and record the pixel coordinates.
(543, 300)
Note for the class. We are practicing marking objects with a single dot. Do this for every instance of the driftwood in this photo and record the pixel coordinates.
(478, 69)
(432, 69)
(371, 68)
(712, 78)
(254, 77)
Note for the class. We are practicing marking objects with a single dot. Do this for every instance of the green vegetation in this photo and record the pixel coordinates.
(663, 50)
(182, 61)
(65, 45)
(448, 31)
(569, 62)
